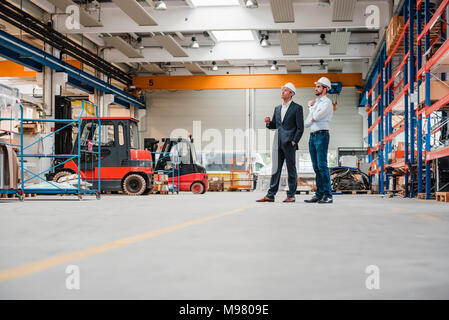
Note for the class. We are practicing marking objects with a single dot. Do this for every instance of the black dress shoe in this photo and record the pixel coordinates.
(313, 200)
(326, 200)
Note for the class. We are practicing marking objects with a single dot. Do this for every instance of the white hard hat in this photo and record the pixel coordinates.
(324, 82)
(290, 86)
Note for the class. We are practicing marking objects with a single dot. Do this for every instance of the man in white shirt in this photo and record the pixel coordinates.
(318, 120)
(289, 122)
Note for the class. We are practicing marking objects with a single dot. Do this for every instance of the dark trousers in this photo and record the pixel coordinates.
(318, 146)
(286, 153)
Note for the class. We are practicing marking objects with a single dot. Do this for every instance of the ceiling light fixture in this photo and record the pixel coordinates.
(274, 66)
(322, 67)
(140, 43)
(160, 5)
(322, 41)
(264, 41)
(195, 44)
(92, 6)
(251, 4)
(214, 66)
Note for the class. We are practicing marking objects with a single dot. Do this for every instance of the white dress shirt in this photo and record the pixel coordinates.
(321, 112)
(284, 109)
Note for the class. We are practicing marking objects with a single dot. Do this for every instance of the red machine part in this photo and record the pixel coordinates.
(187, 180)
(140, 155)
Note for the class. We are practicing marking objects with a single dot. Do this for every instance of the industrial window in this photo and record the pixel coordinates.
(121, 135)
(134, 136)
(107, 135)
(183, 151)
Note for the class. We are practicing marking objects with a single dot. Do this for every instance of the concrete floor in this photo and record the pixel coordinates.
(223, 246)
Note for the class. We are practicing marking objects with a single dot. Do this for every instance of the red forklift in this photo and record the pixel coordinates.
(125, 167)
(178, 158)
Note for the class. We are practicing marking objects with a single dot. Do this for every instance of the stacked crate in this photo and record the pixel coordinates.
(393, 32)
(216, 184)
(160, 181)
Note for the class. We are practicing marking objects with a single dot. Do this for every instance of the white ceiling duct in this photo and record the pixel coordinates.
(123, 46)
(289, 44)
(293, 66)
(282, 11)
(153, 68)
(194, 68)
(85, 19)
(136, 12)
(335, 66)
(170, 45)
(343, 10)
(339, 42)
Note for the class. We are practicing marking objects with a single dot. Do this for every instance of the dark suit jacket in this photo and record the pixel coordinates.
(292, 128)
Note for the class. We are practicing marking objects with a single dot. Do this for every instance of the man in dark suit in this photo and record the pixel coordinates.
(289, 122)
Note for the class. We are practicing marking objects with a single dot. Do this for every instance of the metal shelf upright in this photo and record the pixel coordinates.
(56, 189)
(439, 55)
(402, 100)
(174, 170)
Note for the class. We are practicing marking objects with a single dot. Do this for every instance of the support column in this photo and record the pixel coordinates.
(427, 45)
(406, 106)
(411, 5)
(387, 120)
(419, 124)
(380, 90)
(370, 134)
(107, 100)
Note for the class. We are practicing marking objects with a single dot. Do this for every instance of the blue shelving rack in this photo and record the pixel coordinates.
(174, 172)
(76, 156)
(417, 122)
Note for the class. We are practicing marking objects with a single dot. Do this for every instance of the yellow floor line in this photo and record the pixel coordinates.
(38, 266)
(425, 216)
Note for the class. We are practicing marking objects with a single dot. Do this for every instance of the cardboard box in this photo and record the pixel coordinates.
(438, 90)
(10, 141)
(216, 184)
(29, 128)
(393, 32)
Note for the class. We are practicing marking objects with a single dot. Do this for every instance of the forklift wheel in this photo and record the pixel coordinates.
(61, 174)
(134, 185)
(197, 188)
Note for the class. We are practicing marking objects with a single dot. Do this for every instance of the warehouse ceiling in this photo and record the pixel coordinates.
(271, 36)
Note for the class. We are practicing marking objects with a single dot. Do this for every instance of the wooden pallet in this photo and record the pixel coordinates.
(422, 196)
(442, 196)
(355, 191)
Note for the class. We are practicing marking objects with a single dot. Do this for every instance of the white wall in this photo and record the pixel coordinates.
(346, 128)
(216, 109)
(228, 109)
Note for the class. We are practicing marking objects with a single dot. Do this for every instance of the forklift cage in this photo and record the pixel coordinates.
(22, 190)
